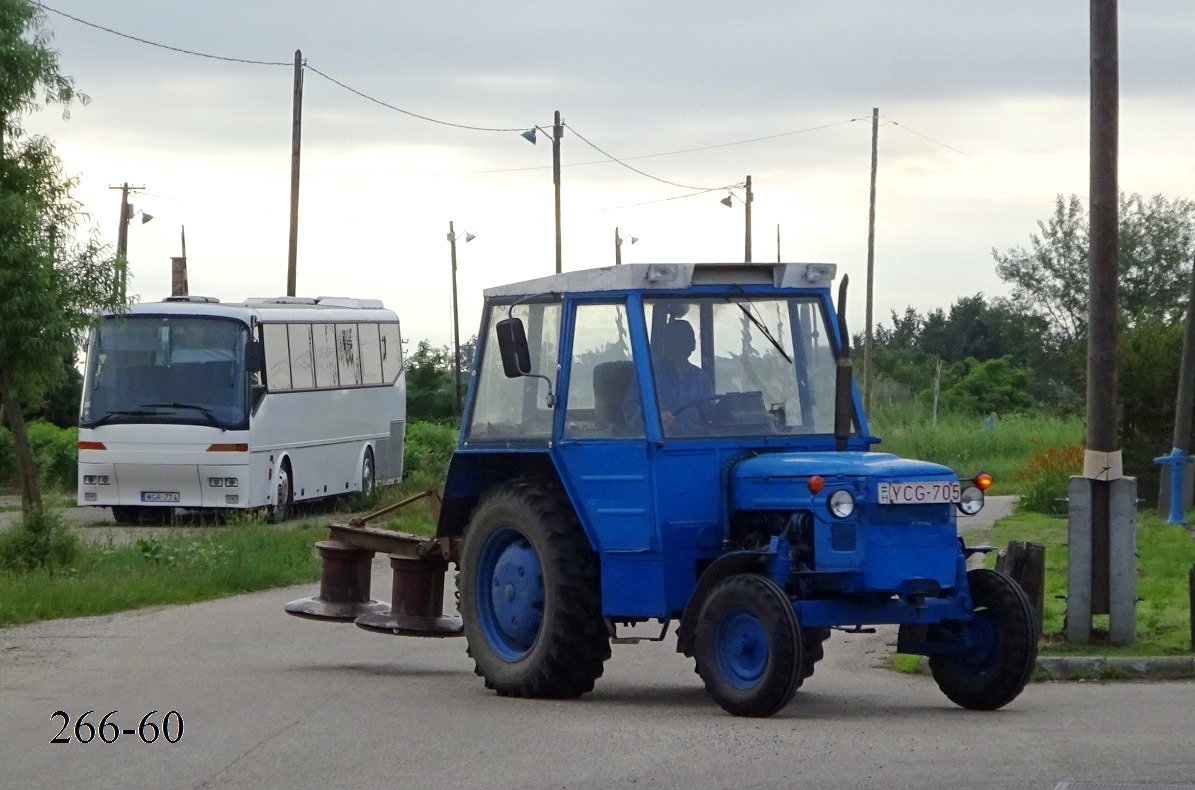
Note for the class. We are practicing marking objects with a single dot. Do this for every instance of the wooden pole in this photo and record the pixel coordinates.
(1102, 334)
(617, 248)
(747, 242)
(871, 256)
(295, 140)
(456, 330)
(557, 136)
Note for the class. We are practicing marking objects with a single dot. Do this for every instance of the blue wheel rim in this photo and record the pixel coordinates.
(510, 594)
(982, 640)
(741, 648)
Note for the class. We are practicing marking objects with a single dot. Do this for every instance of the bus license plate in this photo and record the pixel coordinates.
(919, 493)
(159, 496)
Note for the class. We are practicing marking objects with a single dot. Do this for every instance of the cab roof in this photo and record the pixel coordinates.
(671, 276)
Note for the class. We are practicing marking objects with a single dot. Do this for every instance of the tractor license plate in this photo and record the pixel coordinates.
(919, 493)
(159, 496)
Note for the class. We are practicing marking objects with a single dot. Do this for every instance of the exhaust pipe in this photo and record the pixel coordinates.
(843, 374)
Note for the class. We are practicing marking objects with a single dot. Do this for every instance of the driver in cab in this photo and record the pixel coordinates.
(681, 386)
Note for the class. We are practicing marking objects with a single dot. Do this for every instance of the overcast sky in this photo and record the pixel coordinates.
(983, 109)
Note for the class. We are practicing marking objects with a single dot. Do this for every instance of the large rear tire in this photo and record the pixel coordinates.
(748, 646)
(1002, 646)
(530, 594)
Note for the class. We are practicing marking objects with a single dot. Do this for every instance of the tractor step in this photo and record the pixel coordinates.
(612, 627)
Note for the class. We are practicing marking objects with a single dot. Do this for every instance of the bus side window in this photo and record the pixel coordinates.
(371, 354)
(324, 349)
(391, 353)
(277, 357)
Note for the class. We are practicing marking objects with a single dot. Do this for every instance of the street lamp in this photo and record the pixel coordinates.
(557, 136)
(728, 201)
(618, 240)
(456, 322)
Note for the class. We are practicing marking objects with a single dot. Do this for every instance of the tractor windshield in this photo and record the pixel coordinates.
(741, 366)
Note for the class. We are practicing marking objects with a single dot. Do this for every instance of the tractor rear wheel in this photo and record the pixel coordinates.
(530, 595)
(1000, 646)
(748, 646)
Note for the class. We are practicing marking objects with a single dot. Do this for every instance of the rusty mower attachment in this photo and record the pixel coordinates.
(418, 565)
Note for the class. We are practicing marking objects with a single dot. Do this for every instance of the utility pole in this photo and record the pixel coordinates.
(617, 248)
(122, 240)
(1102, 572)
(456, 329)
(777, 242)
(296, 137)
(557, 136)
(871, 257)
(178, 269)
(1172, 495)
(747, 240)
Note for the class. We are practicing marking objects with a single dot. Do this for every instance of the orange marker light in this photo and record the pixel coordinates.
(228, 448)
(92, 446)
(816, 484)
(983, 480)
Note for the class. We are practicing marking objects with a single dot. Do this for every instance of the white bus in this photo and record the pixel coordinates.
(190, 403)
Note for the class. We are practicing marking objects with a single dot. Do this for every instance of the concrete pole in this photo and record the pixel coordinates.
(871, 256)
(295, 145)
(557, 136)
(456, 330)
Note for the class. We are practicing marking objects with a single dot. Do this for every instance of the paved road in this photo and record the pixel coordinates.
(273, 701)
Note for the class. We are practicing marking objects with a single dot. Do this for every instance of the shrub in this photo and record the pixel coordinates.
(429, 445)
(1044, 479)
(56, 453)
(40, 540)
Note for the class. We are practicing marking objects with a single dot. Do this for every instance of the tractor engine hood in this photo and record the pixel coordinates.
(778, 481)
(878, 466)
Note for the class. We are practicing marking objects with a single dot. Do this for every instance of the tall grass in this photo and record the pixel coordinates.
(1165, 555)
(967, 445)
(172, 568)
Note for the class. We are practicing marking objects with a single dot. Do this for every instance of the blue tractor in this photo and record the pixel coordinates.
(683, 442)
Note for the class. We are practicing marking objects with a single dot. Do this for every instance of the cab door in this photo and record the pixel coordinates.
(605, 457)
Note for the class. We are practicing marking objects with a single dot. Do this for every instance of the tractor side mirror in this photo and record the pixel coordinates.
(255, 357)
(512, 343)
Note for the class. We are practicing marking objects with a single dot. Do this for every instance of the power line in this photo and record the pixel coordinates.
(408, 112)
(650, 156)
(613, 158)
(932, 140)
(674, 197)
(45, 7)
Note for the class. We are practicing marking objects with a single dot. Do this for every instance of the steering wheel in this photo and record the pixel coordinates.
(700, 405)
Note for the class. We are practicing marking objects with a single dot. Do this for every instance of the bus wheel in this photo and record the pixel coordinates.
(284, 496)
(368, 478)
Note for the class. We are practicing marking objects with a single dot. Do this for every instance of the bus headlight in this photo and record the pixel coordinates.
(970, 501)
(88, 480)
(842, 504)
(231, 482)
(215, 482)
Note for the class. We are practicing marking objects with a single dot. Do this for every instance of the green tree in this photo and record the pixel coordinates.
(50, 284)
(1155, 245)
(429, 383)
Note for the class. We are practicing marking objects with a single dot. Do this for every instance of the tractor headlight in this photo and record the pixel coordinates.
(842, 504)
(970, 501)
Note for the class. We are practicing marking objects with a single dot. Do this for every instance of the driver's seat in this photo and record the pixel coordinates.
(611, 385)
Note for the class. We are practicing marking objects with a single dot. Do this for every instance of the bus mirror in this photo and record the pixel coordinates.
(512, 343)
(255, 357)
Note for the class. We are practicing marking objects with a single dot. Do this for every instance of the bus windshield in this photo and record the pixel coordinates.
(166, 369)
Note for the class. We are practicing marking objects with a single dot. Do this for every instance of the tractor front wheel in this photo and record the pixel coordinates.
(999, 646)
(748, 646)
(530, 596)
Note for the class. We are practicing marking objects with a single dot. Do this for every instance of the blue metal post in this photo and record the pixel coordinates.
(1175, 461)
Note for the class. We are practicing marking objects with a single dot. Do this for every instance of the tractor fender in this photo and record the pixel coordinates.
(719, 569)
(471, 474)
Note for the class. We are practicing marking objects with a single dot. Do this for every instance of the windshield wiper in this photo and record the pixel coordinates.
(760, 326)
(107, 418)
(205, 411)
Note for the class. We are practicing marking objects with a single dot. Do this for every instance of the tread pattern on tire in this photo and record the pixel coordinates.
(777, 605)
(959, 682)
(568, 656)
(813, 640)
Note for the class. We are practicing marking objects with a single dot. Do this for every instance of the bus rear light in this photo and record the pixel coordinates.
(228, 448)
(92, 446)
(92, 480)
